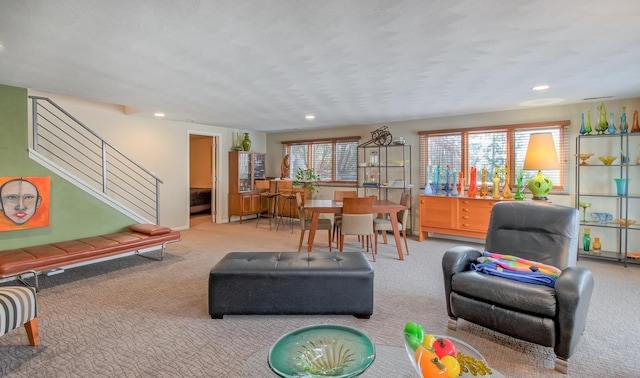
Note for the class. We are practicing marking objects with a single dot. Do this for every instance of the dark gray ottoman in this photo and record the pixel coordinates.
(291, 283)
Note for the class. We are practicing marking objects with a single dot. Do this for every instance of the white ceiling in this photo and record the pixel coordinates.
(264, 65)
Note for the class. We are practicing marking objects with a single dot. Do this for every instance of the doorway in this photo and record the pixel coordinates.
(203, 178)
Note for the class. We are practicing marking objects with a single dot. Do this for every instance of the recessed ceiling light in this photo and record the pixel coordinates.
(540, 87)
(310, 117)
(159, 115)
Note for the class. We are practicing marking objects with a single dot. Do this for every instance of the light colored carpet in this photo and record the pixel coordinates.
(133, 317)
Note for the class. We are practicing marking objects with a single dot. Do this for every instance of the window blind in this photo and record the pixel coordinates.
(333, 160)
(492, 147)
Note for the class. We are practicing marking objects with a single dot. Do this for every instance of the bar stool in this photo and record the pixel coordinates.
(287, 198)
(271, 196)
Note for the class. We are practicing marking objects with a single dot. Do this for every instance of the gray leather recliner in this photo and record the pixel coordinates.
(549, 316)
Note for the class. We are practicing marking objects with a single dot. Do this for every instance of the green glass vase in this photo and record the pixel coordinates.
(246, 142)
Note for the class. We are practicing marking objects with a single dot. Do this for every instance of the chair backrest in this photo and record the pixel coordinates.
(357, 224)
(357, 205)
(299, 199)
(339, 195)
(405, 200)
(285, 185)
(302, 215)
(273, 186)
(262, 184)
(541, 232)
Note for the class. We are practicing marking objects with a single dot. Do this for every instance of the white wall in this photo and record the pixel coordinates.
(161, 146)
(409, 130)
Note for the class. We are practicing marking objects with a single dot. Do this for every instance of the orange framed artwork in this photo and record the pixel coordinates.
(25, 202)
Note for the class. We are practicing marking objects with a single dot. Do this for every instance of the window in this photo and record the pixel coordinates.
(333, 160)
(489, 147)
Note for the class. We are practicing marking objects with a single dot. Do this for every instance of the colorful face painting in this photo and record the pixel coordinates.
(24, 202)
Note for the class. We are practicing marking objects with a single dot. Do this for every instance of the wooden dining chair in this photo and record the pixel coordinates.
(384, 224)
(339, 196)
(357, 219)
(305, 222)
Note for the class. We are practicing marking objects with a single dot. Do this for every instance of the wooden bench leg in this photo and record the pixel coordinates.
(32, 331)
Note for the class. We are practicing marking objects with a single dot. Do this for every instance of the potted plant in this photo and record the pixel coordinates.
(307, 177)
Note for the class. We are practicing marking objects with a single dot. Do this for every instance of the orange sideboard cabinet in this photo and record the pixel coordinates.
(460, 216)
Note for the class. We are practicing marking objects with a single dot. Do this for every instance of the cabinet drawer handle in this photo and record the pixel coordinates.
(465, 209)
(465, 225)
(465, 202)
(465, 217)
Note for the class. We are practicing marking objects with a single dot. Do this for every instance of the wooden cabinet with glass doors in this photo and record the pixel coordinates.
(245, 168)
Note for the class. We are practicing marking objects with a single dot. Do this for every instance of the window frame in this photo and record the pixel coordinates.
(562, 127)
(286, 149)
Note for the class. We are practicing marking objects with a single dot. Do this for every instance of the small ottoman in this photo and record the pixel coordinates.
(245, 283)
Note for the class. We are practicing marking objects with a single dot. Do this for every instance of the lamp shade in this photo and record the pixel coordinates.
(541, 153)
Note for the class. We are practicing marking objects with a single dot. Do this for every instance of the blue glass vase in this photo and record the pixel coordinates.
(622, 184)
(436, 181)
(583, 128)
(612, 128)
(427, 186)
(454, 184)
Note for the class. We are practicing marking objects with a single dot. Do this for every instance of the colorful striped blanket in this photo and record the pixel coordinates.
(516, 268)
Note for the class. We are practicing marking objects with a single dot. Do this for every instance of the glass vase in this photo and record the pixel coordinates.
(427, 187)
(622, 184)
(473, 184)
(612, 127)
(597, 246)
(246, 142)
(623, 121)
(586, 240)
(602, 124)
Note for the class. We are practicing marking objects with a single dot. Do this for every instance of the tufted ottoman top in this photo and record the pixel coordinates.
(282, 283)
(255, 262)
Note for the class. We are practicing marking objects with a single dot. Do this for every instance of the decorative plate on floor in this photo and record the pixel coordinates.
(327, 350)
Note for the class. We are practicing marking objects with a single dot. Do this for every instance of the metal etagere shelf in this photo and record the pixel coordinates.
(385, 171)
(595, 186)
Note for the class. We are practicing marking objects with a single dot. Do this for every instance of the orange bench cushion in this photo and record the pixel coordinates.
(59, 254)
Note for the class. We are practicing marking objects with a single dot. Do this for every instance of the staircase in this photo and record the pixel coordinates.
(66, 146)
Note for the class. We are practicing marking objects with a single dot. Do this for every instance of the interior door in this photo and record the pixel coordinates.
(203, 166)
(214, 177)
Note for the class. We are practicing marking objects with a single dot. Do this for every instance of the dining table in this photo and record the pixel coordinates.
(317, 207)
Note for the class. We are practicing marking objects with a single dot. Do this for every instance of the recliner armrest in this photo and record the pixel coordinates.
(573, 294)
(456, 260)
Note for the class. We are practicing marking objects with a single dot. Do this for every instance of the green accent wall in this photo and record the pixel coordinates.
(74, 213)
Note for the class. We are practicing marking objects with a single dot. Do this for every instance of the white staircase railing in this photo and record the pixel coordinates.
(86, 157)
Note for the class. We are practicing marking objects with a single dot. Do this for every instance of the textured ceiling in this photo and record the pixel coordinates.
(264, 65)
